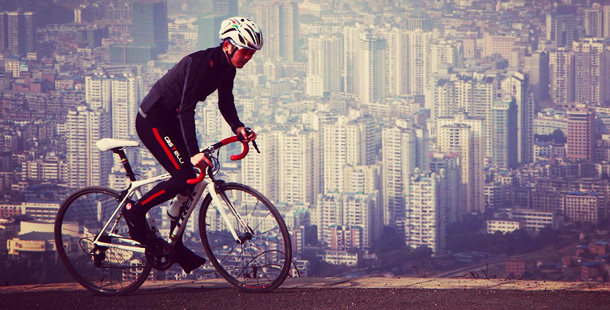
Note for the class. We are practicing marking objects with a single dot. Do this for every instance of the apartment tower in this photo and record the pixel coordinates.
(581, 134)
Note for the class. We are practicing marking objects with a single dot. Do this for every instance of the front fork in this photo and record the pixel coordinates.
(221, 209)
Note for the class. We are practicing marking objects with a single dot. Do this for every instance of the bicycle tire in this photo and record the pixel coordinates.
(105, 271)
(238, 263)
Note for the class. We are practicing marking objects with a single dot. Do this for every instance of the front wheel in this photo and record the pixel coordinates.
(104, 270)
(259, 261)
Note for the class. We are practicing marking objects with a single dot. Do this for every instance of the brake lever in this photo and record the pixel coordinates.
(248, 131)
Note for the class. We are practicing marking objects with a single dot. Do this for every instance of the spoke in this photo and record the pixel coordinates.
(241, 259)
(255, 264)
(262, 234)
(264, 255)
(230, 241)
(66, 231)
(228, 254)
(83, 217)
(89, 210)
(252, 263)
(262, 220)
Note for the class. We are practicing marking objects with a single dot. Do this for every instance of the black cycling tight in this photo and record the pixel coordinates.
(164, 140)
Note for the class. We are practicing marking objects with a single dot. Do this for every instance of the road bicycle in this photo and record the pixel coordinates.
(243, 235)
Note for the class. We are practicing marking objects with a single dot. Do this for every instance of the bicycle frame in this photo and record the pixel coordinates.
(200, 188)
(134, 188)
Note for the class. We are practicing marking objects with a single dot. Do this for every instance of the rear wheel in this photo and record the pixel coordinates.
(260, 260)
(104, 270)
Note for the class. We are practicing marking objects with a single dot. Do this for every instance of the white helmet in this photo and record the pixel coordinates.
(241, 32)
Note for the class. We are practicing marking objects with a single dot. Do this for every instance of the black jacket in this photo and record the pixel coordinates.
(191, 80)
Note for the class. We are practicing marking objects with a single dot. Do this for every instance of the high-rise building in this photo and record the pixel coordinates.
(591, 73)
(361, 179)
(119, 95)
(360, 210)
(210, 126)
(260, 170)
(449, 164)
(365, 179)
(536, 66)
(606, 21)
(297, 167)
(562, 26)
(445, 98)
(425, 221)
(347, 211)
(345, 143)
(398, 62)
(462, 93)
(504, 133)
(87, 165)
(403, 147)
(207, 31)
(561, 76)
(324, 65)
(515, 84)
(351, 43)
(126, 96)
(150, 25)
(17, 33)
(482, 93)
(104, 12)
(328, 212)
(459, 139)
(93, 35)
(208, 22)
(279, 22)
(445, 52)
(581, 134)
(227, 8)
(419, 60)
(593, 19)
(98, 92)
(465, 135)
(371, 67)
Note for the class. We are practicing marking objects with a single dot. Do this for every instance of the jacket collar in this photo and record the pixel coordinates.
(220, 59)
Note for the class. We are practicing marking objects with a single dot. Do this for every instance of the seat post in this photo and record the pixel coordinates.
(129, 172)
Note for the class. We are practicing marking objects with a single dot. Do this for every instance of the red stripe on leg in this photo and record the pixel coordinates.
(153, 197)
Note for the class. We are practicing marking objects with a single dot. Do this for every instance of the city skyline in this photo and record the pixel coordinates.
(371, 115)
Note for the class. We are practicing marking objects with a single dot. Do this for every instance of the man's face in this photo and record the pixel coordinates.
(241, 57)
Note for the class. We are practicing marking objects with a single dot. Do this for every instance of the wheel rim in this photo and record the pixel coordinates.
(104, 270)
(260, 261)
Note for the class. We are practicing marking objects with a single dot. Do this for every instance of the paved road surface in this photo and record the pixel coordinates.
(324, 293)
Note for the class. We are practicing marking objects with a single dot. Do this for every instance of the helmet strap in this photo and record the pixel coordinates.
(230, 56)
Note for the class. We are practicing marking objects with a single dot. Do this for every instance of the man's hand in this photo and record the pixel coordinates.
(200, 161)
(248, 134)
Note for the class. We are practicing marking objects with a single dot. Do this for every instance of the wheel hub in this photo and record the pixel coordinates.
(247, 236)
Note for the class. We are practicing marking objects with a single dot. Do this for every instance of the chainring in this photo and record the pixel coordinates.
(160, 255)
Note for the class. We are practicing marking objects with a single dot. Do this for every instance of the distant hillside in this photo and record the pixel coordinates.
(47, 11)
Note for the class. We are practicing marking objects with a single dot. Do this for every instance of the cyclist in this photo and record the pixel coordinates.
(166, 122)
